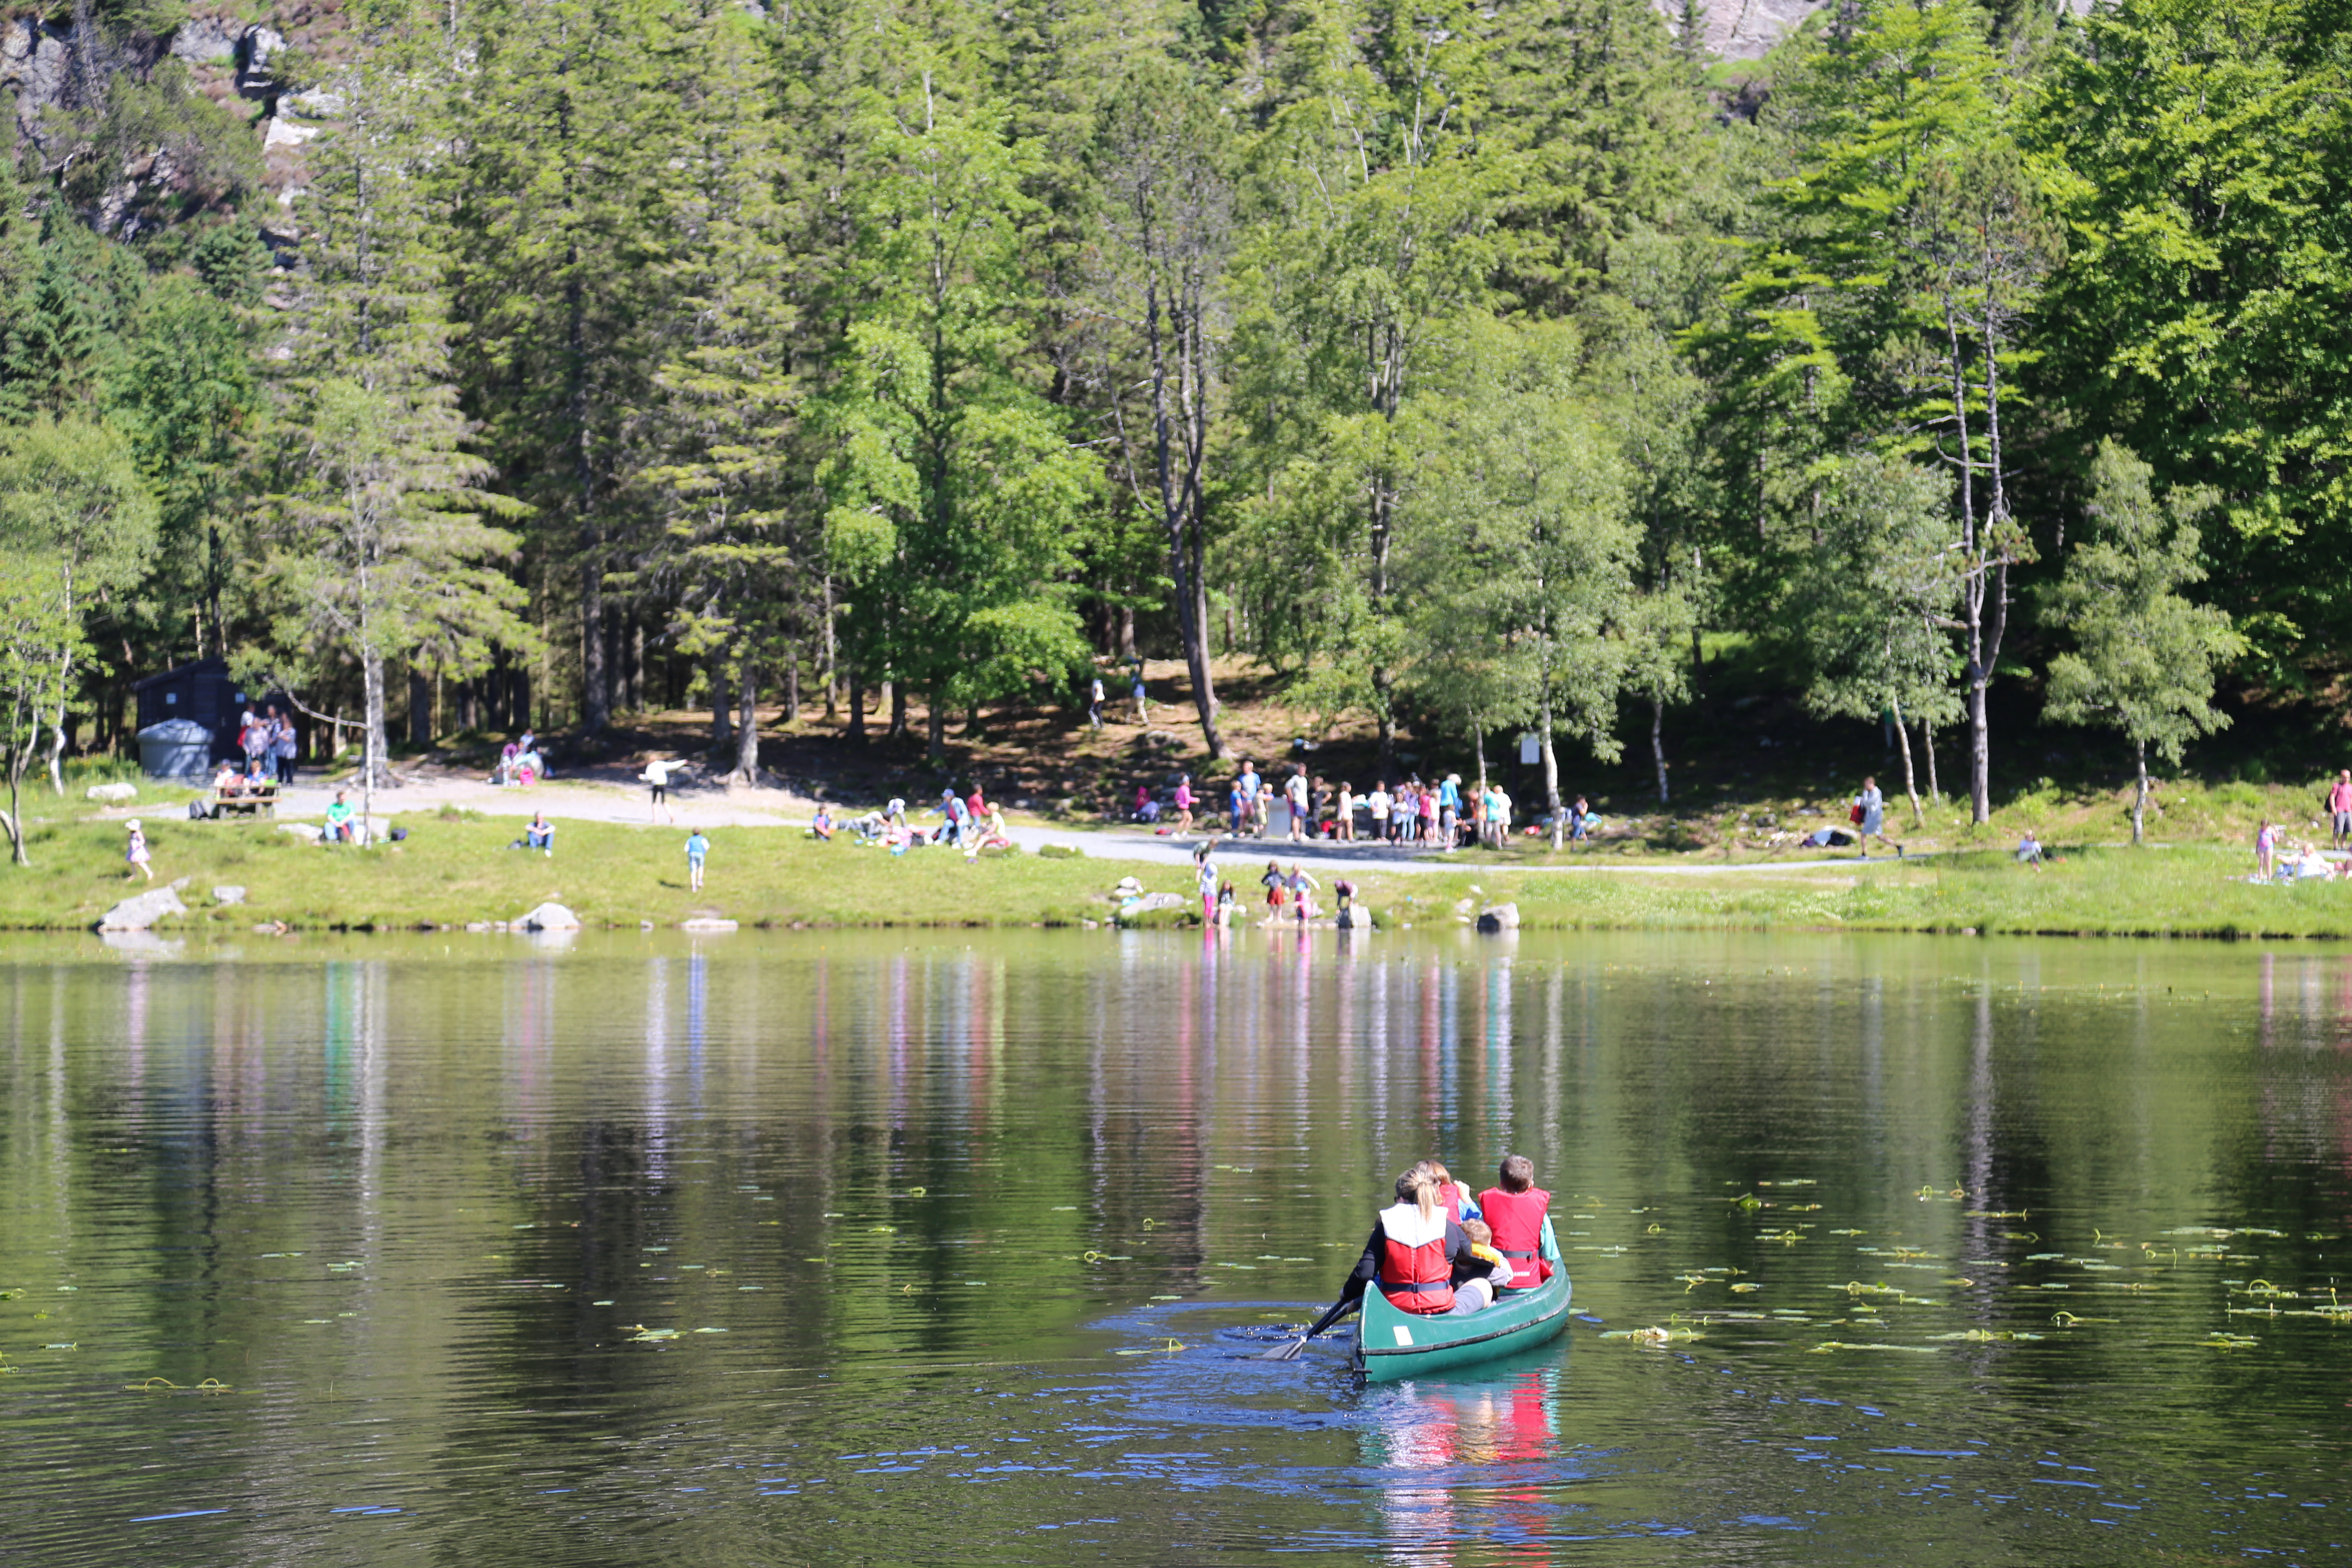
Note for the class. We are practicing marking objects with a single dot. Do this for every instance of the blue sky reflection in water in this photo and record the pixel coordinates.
(870, 1247)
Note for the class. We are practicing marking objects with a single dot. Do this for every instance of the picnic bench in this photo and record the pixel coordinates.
(244, 800)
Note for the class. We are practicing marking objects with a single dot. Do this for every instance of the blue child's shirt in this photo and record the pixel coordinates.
(696, 846)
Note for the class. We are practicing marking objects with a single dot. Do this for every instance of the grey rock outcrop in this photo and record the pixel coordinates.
(142, 910)
(205, 40)
(706, 922)
(1355, 916)
(228, 894)
(1744, 30)
(1499, 916)
(112, 793)
(548, 917)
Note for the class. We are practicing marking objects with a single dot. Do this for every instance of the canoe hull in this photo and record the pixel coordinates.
(1390, 1344)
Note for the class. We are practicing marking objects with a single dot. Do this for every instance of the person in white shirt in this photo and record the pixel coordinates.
(657, 781)
(1376, 803)
(1295, 791)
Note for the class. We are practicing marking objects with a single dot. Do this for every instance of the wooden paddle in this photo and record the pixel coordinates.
(1292, 1350)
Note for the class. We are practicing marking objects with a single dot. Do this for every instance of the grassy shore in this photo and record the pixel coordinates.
(457, 870)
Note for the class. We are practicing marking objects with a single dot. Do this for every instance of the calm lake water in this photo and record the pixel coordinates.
(891, 1249)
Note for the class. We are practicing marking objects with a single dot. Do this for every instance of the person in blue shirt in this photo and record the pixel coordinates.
(1449, 809)
(696, 846)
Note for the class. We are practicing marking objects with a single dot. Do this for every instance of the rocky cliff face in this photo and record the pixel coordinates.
(55, 87)
(1744, 30)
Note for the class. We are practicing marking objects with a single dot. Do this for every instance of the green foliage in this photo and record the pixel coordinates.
(2202, 161)
(2144, 657)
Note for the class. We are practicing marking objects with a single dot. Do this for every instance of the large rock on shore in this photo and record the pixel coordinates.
(112, 793)
(1499, 916)
(548, 917)
(142, 910)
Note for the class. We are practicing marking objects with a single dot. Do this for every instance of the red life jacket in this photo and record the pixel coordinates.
(1452, 1194)
(1415, 1274)
(1517, 1221)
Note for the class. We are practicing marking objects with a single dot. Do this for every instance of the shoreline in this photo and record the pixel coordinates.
(456, 870)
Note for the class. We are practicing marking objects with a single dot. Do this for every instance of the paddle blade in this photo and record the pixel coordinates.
(1289, 1350)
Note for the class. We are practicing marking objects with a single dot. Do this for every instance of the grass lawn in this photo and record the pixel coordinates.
(457, 868)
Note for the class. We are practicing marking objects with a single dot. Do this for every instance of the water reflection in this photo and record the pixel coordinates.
(547, 1247)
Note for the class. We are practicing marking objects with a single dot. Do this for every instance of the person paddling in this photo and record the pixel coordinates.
(1519, 1214)
(1413, 1251)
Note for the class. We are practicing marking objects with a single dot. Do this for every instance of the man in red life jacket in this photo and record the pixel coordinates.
(1412, 1255)
(1519, 1213)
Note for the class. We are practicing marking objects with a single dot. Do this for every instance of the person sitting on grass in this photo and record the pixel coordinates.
(540, 835)
(821, 825)
(2029, 850)
(697, 848)
(340, 828)
(985, 833)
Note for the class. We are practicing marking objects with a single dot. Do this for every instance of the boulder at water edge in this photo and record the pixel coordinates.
(1499, 916)
(229, 894)
(548, 917)
(706, 922)
(112, 793)
(143, 909)
(1355, 916)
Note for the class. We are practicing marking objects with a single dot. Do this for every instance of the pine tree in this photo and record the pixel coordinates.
(729, 557)
(378, 542)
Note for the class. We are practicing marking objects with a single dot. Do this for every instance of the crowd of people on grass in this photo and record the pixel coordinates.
(971, 823)
(1437, 1251)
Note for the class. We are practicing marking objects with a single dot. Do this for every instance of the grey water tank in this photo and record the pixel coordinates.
(176, 749)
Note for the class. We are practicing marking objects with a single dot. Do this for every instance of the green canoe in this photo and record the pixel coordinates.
(1393, 1344)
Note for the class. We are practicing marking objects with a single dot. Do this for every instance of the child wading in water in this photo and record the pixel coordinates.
(696, 846)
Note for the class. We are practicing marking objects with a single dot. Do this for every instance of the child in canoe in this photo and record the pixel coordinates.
(1520, 1213)
(1414, 1253)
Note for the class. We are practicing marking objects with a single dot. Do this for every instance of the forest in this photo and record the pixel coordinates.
(1472, 368)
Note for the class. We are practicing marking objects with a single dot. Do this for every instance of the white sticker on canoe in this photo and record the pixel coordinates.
(1403, 1334)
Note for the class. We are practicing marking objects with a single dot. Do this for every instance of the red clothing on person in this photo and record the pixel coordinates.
(2340, 798)
(1517, 1221)
(1416, 1275)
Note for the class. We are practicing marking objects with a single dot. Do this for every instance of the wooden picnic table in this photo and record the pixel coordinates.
(244, 800)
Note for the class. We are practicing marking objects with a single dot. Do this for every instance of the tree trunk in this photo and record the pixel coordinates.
(1478, 744)
(2139, 799)
(830, 651)
(857, 708)
(595, 684)
(635, 677)
(722, 733)
(792, 713)
(747, 724)
(1384, 705)
(373, 749)
(898, 710)
(1126, 633)
(420, 708)
(58, 743)
(1910, 785)
(1927, 745)
(518, 700)
(1550, 766)
(1658, 741)
(935, 726)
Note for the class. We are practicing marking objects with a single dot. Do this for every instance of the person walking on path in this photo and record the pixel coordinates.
(1094, 701)
(1249, 787)
(1185, 801)
(2339, 809)
(137, 855)
(657, 782)
(1142, 703)
(1870, 818)
(697, 848)
(1295, 792)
